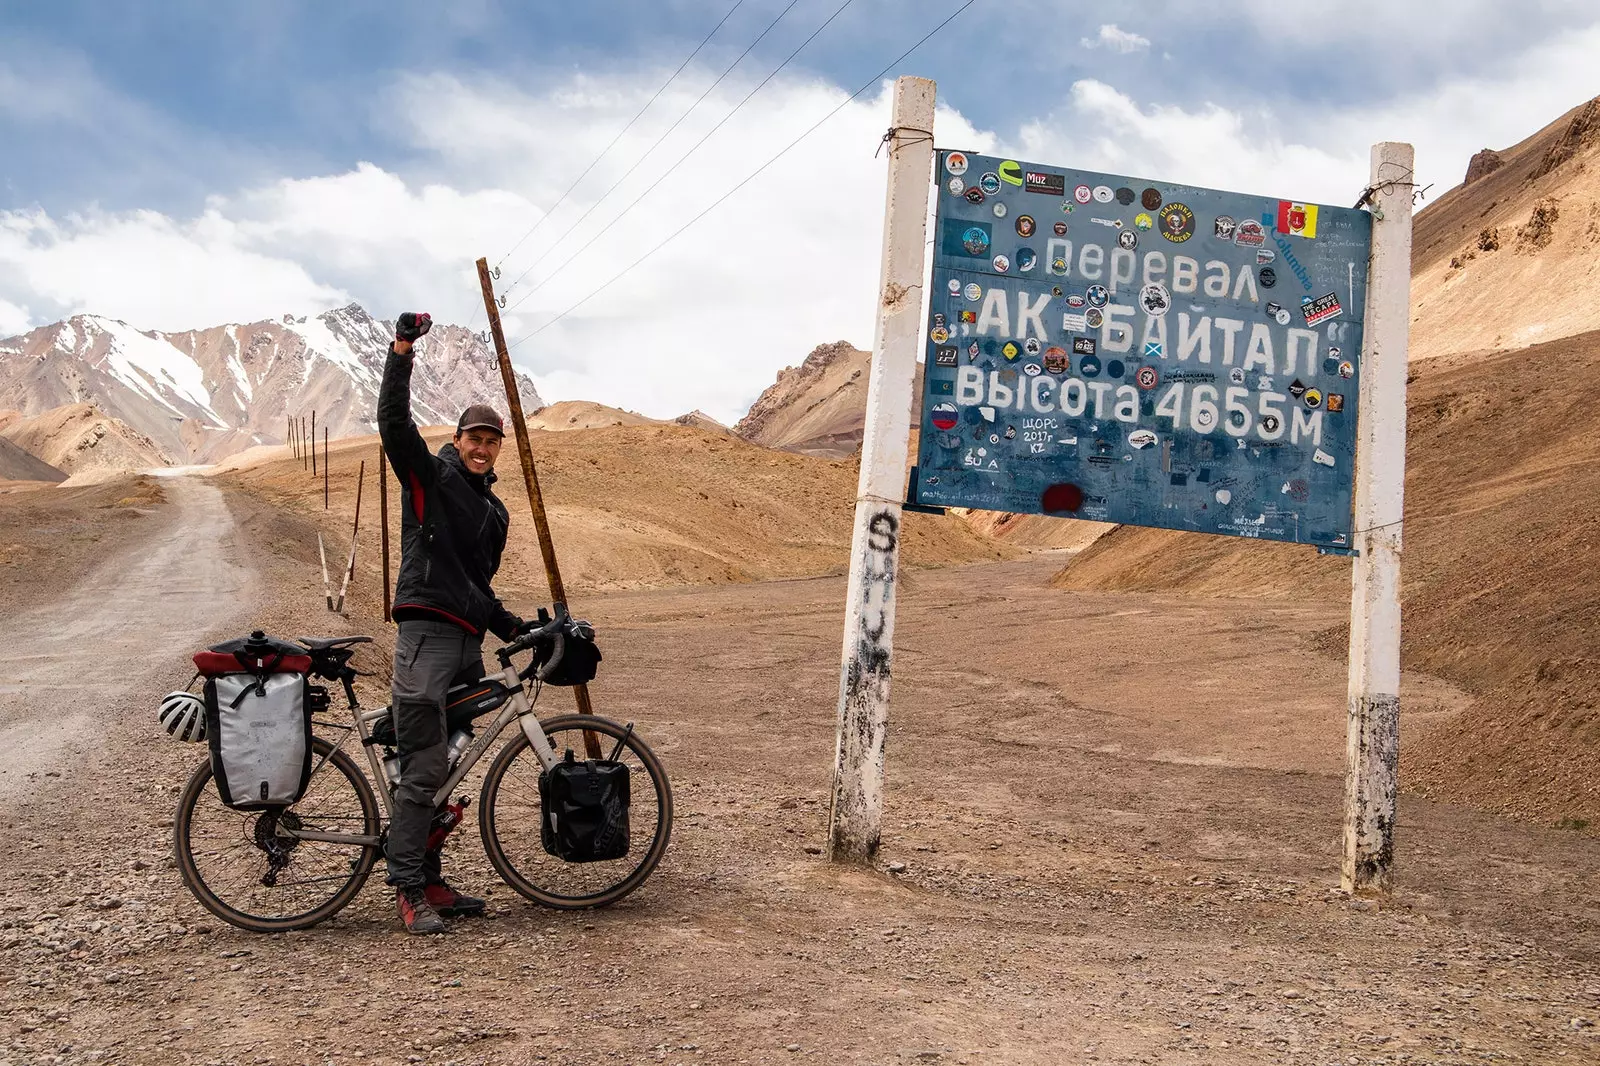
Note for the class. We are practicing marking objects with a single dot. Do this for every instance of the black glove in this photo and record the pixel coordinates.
(412, 324)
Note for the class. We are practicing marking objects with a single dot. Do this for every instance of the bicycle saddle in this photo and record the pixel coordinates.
(323, 643)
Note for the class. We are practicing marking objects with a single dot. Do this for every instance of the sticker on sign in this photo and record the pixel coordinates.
(1321, 309)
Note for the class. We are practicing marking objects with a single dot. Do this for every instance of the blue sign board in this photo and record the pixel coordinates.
(1125, 350)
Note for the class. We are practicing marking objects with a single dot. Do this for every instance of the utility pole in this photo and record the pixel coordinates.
(1372, 747)
(855, 821)
(541, 523)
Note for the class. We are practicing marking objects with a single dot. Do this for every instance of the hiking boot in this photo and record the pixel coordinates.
(452, 904)
(416, 912)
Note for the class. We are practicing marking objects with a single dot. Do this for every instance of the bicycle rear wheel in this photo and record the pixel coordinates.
(509, 817)
(245, 872)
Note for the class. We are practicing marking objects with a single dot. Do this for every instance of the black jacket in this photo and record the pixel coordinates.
(452, 525)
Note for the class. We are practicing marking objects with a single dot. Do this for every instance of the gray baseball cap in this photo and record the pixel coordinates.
(480, 416)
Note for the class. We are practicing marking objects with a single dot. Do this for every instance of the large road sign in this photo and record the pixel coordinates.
(1126, 350)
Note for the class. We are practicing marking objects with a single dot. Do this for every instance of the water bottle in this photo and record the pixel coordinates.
(460, 740)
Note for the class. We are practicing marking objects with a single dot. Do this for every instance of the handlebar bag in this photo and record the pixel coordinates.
(580, 657)
(585, 809)
(258, 721)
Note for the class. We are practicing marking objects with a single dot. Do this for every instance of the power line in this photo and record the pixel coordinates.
(603, 152)
(694, 148)
(557, 242)
(790, 147)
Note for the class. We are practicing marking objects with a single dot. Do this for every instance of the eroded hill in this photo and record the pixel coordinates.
(1502, 538)
(1506, 259)
(636, 507)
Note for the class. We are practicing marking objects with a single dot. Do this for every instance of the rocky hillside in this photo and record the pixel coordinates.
(582, 414)
(16, 464)
(818, 407)
(1506, 259)
(81, 440)
(640, 506)
(203, 394)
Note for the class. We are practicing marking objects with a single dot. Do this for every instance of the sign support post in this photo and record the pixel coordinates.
(854, 822)
(1373, 739)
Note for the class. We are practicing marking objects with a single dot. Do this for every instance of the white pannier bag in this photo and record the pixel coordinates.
(258, 720)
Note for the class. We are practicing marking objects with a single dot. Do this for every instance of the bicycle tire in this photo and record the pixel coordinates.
(527, 863)
(210, 891)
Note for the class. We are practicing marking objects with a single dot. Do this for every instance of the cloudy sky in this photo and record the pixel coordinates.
(191, 163)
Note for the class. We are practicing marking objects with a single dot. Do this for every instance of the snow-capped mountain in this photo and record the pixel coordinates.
(203, 394)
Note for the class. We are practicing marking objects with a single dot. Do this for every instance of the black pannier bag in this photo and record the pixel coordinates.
(258, 720)
(585, 809)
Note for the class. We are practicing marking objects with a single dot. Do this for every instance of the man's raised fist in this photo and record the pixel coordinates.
(412, 324)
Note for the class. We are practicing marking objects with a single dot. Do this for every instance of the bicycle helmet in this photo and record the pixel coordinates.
(183, 714)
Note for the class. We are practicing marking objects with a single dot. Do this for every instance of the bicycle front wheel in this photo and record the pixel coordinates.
(509, 817)
(244, 867)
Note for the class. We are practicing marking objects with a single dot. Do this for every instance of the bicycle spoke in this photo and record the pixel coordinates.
(251, 869)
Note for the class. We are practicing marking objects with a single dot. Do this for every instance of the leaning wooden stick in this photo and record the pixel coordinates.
(383, 509)
(327, 588)
(350, 566)
(541, 524)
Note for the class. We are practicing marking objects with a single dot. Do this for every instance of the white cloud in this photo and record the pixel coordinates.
(150, 270)
(1116, 40)
(787, 263)
(13, 319)
(1319, 155)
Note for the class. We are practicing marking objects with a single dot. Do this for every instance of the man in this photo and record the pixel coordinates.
(452, 533)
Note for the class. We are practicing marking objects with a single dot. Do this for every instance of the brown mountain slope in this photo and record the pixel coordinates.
(1502, 541)
(18, 464)
(582, 414)
(640, 506)
(80, 439)
(1507, 260)
(818, 407)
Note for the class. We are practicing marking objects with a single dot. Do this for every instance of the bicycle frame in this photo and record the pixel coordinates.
(518, 708)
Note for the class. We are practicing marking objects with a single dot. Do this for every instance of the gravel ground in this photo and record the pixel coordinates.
(1111, 837)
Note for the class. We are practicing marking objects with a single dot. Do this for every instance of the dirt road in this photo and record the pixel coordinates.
(1117, 817)
(69, 662)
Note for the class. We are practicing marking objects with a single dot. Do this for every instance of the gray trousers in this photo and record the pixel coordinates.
(427, 657)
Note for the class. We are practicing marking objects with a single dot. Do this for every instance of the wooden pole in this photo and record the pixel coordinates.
(383, 512)
(541, 523)
(324, 466)
(313, 443)
(1372, 743)
(304, 462)
(855, 820)
(350, 565)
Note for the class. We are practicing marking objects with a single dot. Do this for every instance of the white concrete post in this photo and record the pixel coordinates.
(1373, 738)
(854, 823)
